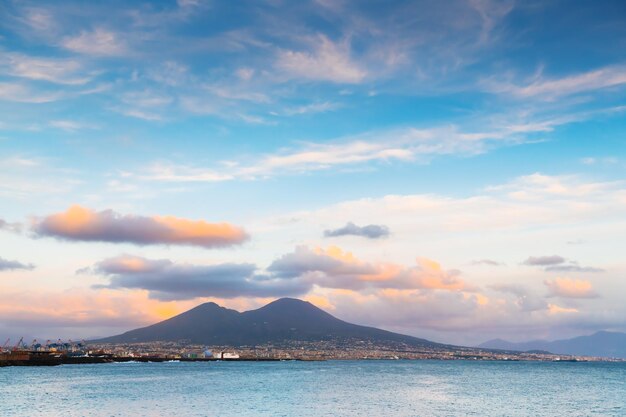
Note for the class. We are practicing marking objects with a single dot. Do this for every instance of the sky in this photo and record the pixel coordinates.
(450, 170)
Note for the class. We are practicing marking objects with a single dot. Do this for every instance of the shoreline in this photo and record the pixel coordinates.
(103, 360)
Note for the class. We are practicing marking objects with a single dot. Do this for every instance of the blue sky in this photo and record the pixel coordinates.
(481, 134)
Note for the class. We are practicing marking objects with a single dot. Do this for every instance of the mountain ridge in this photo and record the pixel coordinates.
(602, 343)
(283, 320)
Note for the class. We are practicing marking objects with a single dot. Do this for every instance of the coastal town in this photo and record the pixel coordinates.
(58, 353)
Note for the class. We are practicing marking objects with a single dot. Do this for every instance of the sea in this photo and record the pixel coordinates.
(302, 389)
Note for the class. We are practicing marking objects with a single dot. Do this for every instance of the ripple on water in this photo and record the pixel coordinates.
(342, 388)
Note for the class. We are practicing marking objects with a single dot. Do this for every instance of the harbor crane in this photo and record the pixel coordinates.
(19, 344)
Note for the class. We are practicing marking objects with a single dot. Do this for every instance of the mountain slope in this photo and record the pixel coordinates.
(283, 320)
(605, 344)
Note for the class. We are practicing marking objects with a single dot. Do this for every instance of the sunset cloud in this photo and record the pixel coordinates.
(421, 137)
(570, 288)
(83, 224)
(167, 280)
(293, 274)
(335, 268)
(47, 311)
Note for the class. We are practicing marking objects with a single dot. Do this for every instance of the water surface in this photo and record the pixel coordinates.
(333, 388)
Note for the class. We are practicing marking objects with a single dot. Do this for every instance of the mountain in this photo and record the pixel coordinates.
(283, 320)
(604, 344)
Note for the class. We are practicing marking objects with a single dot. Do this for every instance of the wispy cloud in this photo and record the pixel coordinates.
(311, 108)
(22, 93)
(98, 42)
(70, 125)
(326, 61)
(403, 145)
(489, 262)
(55, 70)
(602, 78)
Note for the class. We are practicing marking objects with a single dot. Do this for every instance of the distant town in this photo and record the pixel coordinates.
(59, 352)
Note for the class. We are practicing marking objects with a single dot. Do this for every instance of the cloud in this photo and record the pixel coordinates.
(100, 42)
(526, 300)
(555, 309)
(10, 227)
(491, 12)
(544, 260)
(6, 265)
(570, 288)
(371, 231)
(25, 94)
(329, 61)
(82, 224)
(487, 262)
(335, 268)
(21, 178)
(318, 107)
(167, 280)
(70, 125)
(598, 79)
(405, 144)
(75, 309)
(293, 274)
(55, 70)
(394, 145)
(557, 263)
(572, 267)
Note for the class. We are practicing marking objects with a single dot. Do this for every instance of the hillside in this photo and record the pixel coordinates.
(283, 320)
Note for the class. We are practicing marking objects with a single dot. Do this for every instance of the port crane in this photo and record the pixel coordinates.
(4, 347)
(19, 344)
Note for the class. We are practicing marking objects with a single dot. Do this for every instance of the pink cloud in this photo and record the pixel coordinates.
(336, 268)
(83, 224)
(570, 288)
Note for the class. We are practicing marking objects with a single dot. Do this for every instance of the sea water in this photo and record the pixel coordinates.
(332, 388)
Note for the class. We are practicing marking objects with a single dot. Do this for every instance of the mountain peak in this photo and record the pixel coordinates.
(292, 307)
(290, 302)
(283, 320)
(207, 306)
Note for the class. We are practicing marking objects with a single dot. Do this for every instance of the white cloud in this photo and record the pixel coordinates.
(24, 94)
(70, 125)
(598, 79)
(99, 42)
(318, 107)
(59, 71)
(406, 144)
(174, 173)
(328, 61)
